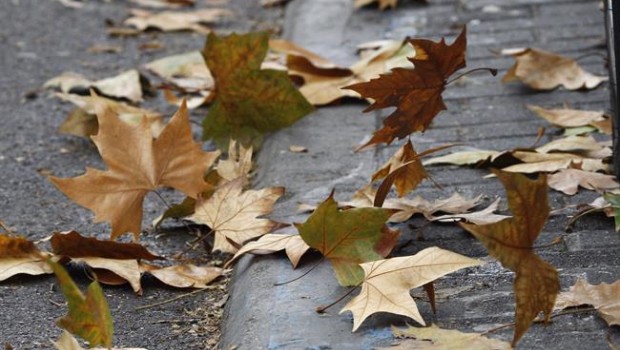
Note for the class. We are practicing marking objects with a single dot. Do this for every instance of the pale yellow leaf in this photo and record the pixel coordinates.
(435, 338)
(293, 245)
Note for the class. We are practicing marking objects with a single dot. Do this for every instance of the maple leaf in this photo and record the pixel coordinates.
(435, 338)
(569, 180)
(137, 164)
(248, 101)
(348, 238)
(234, 215)
(543, 70)
(294, 246)
(603, 296)
(387, 283)
(568, 118)
(407, 178)
(89, 315)
(510, 241)
(19, 255)
(416, 93)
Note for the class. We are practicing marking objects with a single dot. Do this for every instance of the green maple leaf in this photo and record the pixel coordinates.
(349, 237)
(249, 101)
(89, 316)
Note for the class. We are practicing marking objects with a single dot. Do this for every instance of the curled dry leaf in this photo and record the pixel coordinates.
(387, 283)
(570, 118)
(171, 4)
(82, 121)
(469, 157)
(409, 177)
(435, 338)
(416, 93)
(455, 204)
(604, 297)
(89, 315)
(127, 85)
(234, 215)
(571, 144)
(569, 180)
(511, 242)
(248, 101)
(482, 217)
(534, 162)
(169, 21)
(184, 276)
(383, 4)
(173, 159)
(186, 71)
(19, 255)
(349, 237)
(543, 70)
(237, 165)
(293, 245)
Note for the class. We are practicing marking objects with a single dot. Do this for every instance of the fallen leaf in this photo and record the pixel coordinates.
(72, 244)
(82, 121)
(169, 21)
(482, 217)
(383, 4)
(164, 3)
(89, 315)
(614, 201)
(248, 101)
(455, 204)
(237, 165)
(435, 338)
(234, 215)
(603, 297)
(127, 85)
(105, 48)
(571, 144)
(186, 71)
(173, 159)
(293, 245)
(409, 177)
(511, 242)
(349, 237)
(469, 157)
(270, 3)
(387, 283)
(297, 149)
(551, 162)
(416, 93)
(543, 70)
(569, 118)
(569, 180)
(19, 255)
(68, 342)
(184, 276)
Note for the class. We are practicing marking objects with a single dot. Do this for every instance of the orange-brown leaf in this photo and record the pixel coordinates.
(137, 164)
(510, 241)
(416, 93)
(410, 176)
(72, 244)
(17, 247)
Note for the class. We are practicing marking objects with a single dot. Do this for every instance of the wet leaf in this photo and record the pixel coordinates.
(170, 21)
(603, 297)
(293, 245)
(511, 242)
(173, 159)
(387, 283)
(234, 215)
(349, 237)
(435, 338)
(543, 70)
(248, 101)
(416, 93)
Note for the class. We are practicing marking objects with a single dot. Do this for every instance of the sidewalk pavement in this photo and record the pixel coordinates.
(482, 113)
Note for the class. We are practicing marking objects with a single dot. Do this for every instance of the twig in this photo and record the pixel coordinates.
(167, 301)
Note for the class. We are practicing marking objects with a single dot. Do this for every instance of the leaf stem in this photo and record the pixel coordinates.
(493, 72)
(302, 275)
(321, 309)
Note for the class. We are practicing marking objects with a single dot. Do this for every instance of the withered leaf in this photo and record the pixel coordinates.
(172, 159)
(482, 217)
(387, 283)
(569, 118)
(543, 70)
(348, 238)
(169, 21)
(511, 240)
(293, 245)
(435, 338)
(187, 71)
(72, 244)
(127, 85)
(383, 4)
(603, 296)
(569, 180)
(19, 255)
(237, 165)
(67, 342)
(409, 177)
(249, 101)
(416, 93)
(184, 276)
(235, 215)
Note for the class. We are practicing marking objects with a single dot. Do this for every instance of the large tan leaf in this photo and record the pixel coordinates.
(127, 85)
(455, 204)
(173, 159)
(184, 276)
(567, 117)
(604, 297)
(435, 338)
(235, 215)
(387, 282)
(571, 144)
(569, 180)
(293, 245)
(409, 177)
(543, 70)
(551, 162)
(169, 21)
(511, 242)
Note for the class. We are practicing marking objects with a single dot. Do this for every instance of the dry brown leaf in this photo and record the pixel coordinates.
(297, 149)
(571, 144)
(511, 242)
(569, 180)
(455, 204)
(169, 21)
(483, 217)
(170, 4)
(173, 159)
(568, 118)
(82, 121)
(387, 282)
(19, 255)
(184, 276)
(551, 162)
(234, 215)
(270, 3)
(435, 338)
(383, 4)
(409, 177)
(126, 270)
(237, 165)
(293, 245)
(469, 157)
(73, 245)
(127, 85)
(192, 101)
(604, 297)
(186, 71)
(543, 70)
